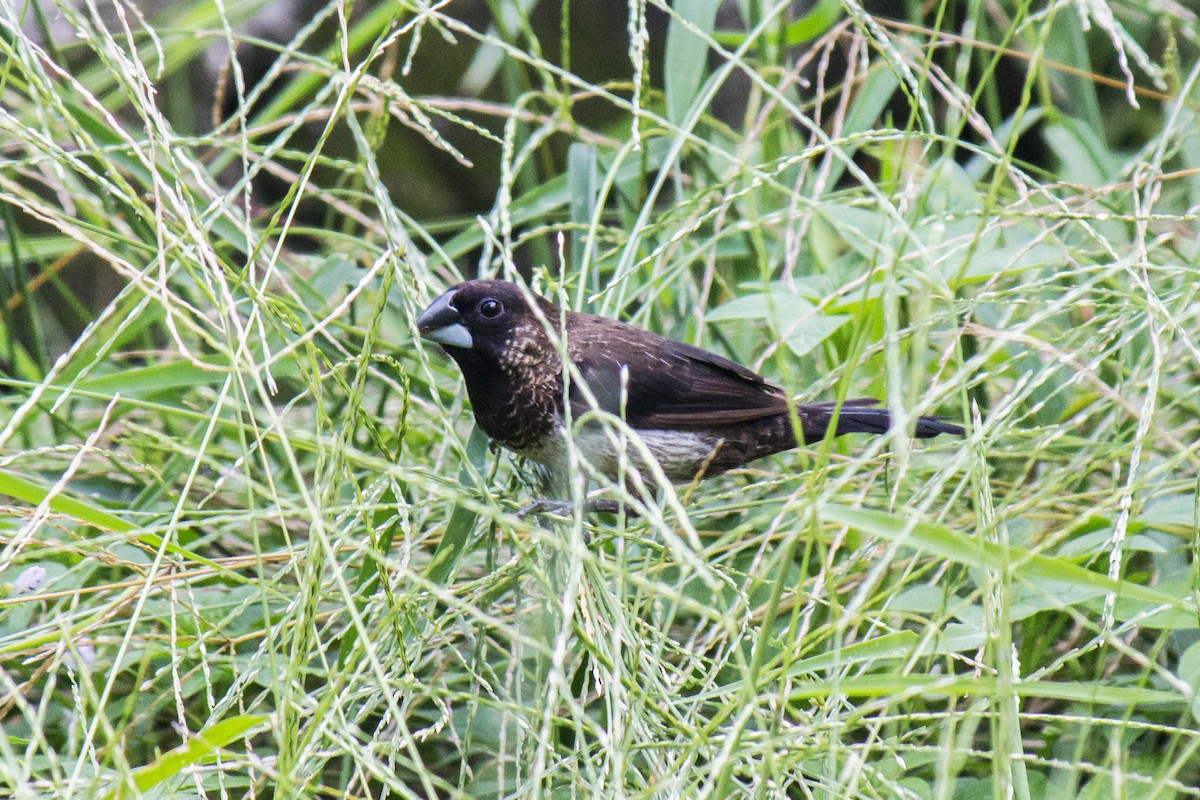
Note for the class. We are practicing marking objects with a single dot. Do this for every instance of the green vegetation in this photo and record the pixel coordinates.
(249, 542)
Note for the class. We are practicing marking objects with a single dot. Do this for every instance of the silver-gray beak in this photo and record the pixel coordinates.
(442, 323)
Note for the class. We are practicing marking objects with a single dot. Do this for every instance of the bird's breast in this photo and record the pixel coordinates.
(515, 397)
(523, 421)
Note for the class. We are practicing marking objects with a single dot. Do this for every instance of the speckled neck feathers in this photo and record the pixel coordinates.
(515, 383)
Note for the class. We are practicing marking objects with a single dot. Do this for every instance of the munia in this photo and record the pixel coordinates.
(697, 413)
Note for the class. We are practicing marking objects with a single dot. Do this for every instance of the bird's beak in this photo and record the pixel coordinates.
(442, 323)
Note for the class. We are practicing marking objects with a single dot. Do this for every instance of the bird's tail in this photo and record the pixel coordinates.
(863, 415)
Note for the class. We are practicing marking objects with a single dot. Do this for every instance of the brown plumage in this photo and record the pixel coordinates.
(698, 413)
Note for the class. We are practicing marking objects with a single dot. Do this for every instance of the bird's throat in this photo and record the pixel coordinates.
(514, 411)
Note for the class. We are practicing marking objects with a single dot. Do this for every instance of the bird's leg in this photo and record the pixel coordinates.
(540, 508)
(553, 482)
(603, 506)
(596, 505)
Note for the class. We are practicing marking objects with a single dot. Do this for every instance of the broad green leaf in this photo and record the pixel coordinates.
(789, 315)
(942, 541)
(1171, 512)
(1189, 671)
(62, 503)
(820, 19)
(686, 55)
(199, 749)
(982, 686)
(809, 334)
(1084, 157)
(869, 102)
(462, 519)
(156, 378)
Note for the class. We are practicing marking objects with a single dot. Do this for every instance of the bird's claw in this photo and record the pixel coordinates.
(544, 508)
(539, 508)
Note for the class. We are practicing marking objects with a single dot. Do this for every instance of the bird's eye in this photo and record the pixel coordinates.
(490, 308)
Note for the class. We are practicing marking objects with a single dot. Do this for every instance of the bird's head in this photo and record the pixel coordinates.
(491, 319)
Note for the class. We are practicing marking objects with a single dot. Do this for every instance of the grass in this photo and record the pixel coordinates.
(252, 546)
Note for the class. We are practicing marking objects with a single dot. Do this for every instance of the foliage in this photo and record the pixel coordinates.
(251, 544)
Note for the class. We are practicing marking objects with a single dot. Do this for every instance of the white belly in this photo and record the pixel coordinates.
(680, 454)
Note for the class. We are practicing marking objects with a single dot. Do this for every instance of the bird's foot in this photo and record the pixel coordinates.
(539, 508)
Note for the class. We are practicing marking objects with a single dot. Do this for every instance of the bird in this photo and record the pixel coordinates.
(697, 413)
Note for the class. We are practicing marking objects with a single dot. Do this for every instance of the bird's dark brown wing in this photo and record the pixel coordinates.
(670, 384)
